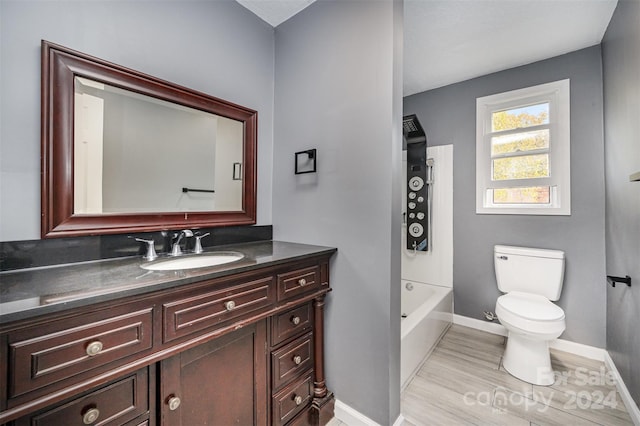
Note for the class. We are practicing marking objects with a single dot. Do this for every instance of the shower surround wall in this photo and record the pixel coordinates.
(434, 266)
(449, 114)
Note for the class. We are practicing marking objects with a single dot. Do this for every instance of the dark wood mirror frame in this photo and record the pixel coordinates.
(60, 66)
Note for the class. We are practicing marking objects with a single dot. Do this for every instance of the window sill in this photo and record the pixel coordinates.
(537, 211)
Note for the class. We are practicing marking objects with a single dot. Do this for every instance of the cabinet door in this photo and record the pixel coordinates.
(221, 382)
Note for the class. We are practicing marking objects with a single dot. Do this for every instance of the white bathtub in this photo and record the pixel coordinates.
(429, 313)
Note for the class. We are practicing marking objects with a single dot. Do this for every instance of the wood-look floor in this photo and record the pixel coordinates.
(463, 382)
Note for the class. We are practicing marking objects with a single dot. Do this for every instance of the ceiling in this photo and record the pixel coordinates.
(275, 12)
(448, 41)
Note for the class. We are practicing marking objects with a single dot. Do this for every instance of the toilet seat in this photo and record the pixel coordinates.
(531, 313)
(531, 306)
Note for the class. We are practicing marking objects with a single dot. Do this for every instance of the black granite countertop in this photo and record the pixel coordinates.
(27, 293)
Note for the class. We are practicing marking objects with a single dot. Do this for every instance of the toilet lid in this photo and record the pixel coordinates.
(530, 306)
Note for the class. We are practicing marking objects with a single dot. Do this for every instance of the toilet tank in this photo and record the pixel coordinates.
(530, 270)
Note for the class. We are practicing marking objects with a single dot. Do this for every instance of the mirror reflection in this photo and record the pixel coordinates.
(134, 154)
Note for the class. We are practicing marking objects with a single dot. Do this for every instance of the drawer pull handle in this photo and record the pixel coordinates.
(230, 305)
(174, 403)
(302, 282)
(90, 416)
(295, 320)
(297, 400)
(94, 348)
(297, 359)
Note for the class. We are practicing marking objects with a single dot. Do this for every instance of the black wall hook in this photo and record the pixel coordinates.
(613, 280)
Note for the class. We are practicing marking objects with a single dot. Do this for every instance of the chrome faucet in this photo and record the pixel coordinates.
(198, 247)
(175, 248)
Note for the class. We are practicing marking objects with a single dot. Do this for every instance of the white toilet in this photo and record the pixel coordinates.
(531, 279)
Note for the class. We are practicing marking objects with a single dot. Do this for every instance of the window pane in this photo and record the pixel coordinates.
(517, 142)
(531, 195)
(521, 117)
(521, 167)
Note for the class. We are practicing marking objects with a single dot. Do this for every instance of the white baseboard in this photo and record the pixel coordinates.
(489, 327)
(353, 417)
(629, 403)
(586, 351)
(399, 420)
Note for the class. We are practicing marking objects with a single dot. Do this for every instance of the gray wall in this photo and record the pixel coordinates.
(217, 47)
(338, 89)
(621, 69)
(448, 116)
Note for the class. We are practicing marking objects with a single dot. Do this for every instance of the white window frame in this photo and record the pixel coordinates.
(559, 180)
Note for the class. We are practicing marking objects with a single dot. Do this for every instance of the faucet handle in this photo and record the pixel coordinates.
(151, 250)
(198, 248)
(177, 237)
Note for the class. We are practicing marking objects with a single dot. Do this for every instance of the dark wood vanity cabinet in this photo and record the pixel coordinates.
(235, 391)
(244, 349)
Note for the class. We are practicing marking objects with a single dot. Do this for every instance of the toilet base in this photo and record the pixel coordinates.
(528, 359)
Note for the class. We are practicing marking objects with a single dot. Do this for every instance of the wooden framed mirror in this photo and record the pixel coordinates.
(123, 152)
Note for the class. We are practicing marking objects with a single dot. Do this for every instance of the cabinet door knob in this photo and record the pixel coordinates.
(295, 320)
(94, 348)
(297, 400)
(302, 281)
(174, 403)
(297, 359)
(230, 305)
(90, 416)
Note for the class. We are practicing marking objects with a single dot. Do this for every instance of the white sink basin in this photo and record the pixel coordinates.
(191, 262)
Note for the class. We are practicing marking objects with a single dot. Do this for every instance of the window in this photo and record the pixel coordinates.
(522, 151)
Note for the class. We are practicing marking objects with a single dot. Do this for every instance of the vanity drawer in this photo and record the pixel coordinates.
(40, 356)
(114, 404)
(300, 281)
(203, 310)
(291, 400)
(291, 360)
(291, 323)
